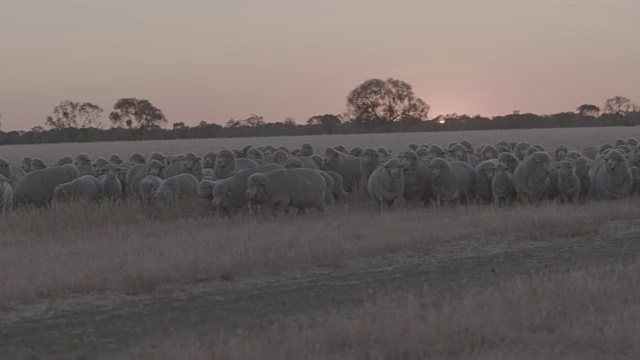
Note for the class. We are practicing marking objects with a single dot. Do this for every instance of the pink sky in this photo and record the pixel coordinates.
(215, 60)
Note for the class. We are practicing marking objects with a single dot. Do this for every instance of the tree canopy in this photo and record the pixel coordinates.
(69, 114)
(134, 113)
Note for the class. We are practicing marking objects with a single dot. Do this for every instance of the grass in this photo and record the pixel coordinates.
(85, 248)
(589, 314)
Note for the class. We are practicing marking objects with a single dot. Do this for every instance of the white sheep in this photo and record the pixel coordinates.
(6, 195)
(85, 187)
(37, 186)
(182, 186)
(386, 183)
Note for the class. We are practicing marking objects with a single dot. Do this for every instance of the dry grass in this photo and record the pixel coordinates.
(593, 314)
(576, 138)
(85, 248)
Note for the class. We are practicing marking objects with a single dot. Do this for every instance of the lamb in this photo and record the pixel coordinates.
(347, 166)
(182, 186)
(26, 164)
(568, 183)
(416, 177)
(83, 188)
(531, 178)
(229, 194)
(484, 174)
(83, 163)
(510, 160)
(209, 160)
(110, 183)
(502, 186)
(451, 182)
(227, 164)
(37, 186)
(115, 159)
(368, 162)
(65, 160)
(39, 164)
(337, 191)
(280, 189)
(148, 186)
(611, 177)
(386, 183)
(6, 195)
(192, 165)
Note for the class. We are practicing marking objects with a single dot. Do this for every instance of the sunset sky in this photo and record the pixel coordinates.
(216, 60)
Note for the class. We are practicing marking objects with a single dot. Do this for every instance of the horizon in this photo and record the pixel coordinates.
(199, 61)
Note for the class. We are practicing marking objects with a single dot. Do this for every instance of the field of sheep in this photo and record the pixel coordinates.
(127, 279)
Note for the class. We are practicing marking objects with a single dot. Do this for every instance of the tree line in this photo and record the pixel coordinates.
(376, 105)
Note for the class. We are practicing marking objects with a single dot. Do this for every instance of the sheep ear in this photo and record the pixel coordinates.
(228, 193)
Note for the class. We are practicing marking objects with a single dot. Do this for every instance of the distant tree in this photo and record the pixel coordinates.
(588, 110)
(233, 124)
(138, 114)
(202, 123)
(290, 121)
(381, 102)
(328, 121)
(69, 114)
(178, 125)
(619, 107)
(37, 129)
(253, 121)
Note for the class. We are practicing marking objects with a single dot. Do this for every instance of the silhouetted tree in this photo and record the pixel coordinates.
(202, 123)
(178, 125)
(619, 107)
(381, 102)
(329, 122)
(290, 121)
(253, 121)
(69, 114)
(233, 124)
(37, 129)
(139, 114)
(588, 110)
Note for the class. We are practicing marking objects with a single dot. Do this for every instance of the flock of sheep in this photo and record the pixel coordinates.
(235, 181)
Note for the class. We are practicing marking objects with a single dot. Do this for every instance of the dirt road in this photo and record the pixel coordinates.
(106, 327)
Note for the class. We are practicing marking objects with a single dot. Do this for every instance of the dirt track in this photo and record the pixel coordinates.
(104, 328)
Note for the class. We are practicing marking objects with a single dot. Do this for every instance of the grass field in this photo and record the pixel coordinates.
(76, 251)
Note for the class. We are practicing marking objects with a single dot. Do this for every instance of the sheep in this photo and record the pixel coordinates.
(503, 143)
(85, 187)
(37, 186)
(98, 165)
(342, 149)
(510, 160)
(115, 159)
(206, 172)
(6, 195)
(328, 188)
(635, 189)
(83, 163)
(205, 189)
(268, 150)
(65, 160)
(229, 194)
(158, 156)
(39, 164)
(569, 184)
(484, 174)
(26, 164)
(227, 164)
(148, 186)
(560, 152)
(11, 172)
(590, 152)
(623, 149)
(468, 146)
(110, 184)
(383, 151)
(618, 142)
(634, 157)
(605, 147)
(338, 190)
(436, 152)
(459, 152)
(488, 152)
(255, 154)
(209, 160)
(138, 158)
(423, 153)
(356, 151)
(308, 162)
(573, 155)
(521, 149)
(632, 142)
(451, 182)
(582, 172)
(139, 172)
(280, 157)
(192, 165)
(317, 159)
(416, 177)
(611, 177)
(177, 166)
(347, 166)
(368, 162)
(182, 186)
(386, 183)
(502, 186)
(531, 178)
(293, 163)
(280, 189)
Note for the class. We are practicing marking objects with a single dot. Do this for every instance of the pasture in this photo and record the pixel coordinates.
(525, 282)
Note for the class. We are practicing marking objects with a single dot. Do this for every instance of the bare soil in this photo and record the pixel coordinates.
(104, 326)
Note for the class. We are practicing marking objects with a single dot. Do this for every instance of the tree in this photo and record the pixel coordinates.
(328, 121)
(588, 110)
(233, 124)
(380, 102)
(141, 114)
(37, 129)
(178, 125)
(619, 107)
(290, 121)
(202, 123)
(69, 114)
(253, 121)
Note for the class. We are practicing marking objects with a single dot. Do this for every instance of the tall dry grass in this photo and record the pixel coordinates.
(82, 248)
(592, 314)
(574, 138)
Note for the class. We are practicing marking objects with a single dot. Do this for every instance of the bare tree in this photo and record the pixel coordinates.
(69, 114)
